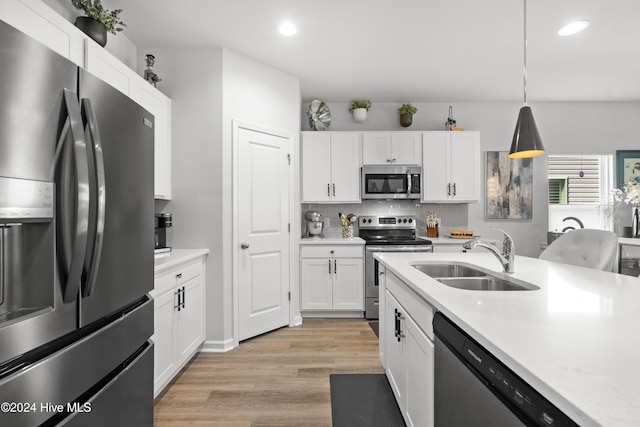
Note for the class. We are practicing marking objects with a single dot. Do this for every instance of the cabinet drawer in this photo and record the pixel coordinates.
(176, 277)
(421, 312)
(332, 251)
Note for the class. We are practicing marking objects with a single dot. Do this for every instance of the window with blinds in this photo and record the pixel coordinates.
(566, 186)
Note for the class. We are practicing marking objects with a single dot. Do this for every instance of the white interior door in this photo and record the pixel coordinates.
(263, 236)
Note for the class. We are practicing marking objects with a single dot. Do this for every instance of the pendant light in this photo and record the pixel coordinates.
(526, 139)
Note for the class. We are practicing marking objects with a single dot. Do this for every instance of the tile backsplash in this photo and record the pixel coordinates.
(451, 215)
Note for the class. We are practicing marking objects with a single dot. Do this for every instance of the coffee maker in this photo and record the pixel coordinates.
(314, 224)
(163, 221)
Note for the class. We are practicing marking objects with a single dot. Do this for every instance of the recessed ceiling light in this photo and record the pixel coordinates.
(572, 28)
(287, 29)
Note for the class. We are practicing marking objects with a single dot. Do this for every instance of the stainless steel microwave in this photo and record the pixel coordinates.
(391, 182)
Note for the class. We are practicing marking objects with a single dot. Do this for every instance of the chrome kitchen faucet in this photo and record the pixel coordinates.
(507, 255)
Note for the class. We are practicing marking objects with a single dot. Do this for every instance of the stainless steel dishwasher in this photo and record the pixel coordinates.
(473, 388)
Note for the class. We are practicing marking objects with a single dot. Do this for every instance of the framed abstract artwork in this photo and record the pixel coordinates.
(509, 191)
(627, 166)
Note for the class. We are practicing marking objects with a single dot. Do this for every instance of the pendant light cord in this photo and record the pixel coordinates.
(525, 52)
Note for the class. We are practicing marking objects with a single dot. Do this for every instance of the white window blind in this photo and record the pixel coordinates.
(577, 190)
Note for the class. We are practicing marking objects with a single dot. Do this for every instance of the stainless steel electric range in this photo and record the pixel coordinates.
(387, 233)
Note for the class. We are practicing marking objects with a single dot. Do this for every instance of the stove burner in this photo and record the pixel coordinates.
(390, 230)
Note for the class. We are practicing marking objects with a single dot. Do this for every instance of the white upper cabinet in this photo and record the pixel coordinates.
(391, 148)
(102, 64)
(159, 105)
(108, 68)
(39, 21)
(36, 19)
(451, 167)
(330, 167)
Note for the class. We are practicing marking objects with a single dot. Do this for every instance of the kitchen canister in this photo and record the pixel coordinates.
(347, 231)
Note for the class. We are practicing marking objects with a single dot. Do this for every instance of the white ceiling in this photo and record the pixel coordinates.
(413, 50)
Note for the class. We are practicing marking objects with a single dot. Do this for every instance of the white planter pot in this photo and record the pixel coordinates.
(360, 114)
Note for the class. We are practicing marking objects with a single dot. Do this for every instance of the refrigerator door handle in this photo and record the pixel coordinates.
(73, 210)
(2, 227)
(92, 262)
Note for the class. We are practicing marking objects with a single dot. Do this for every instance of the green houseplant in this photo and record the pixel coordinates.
(359, 110)
(98, 20)
(406, 112)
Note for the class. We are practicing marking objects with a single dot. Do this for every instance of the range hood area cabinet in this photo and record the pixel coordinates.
(392, 148)
(39, 21)
(330, 167)
(451, 167)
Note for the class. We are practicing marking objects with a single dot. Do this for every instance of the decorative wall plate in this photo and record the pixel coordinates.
(319, 115)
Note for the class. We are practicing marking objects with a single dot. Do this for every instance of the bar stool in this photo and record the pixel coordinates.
(584, 247)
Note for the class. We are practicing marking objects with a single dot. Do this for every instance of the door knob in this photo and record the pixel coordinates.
(244, 245)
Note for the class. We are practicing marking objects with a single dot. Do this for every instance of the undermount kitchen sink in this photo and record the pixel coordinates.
(461, 276)
(449, 270)
(487, 283)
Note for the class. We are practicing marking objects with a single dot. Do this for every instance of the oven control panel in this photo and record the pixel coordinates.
(387, 222)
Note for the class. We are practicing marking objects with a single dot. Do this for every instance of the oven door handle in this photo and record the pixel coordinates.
(420, 248)
(408, 184)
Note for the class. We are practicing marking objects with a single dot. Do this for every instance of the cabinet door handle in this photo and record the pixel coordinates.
(184, 298)
(449, 189)
(454, 189)
(178, 306)
(399, 317)
(335, 267)
(328, 190)
(179, 276)
(329, 266)
(334, 190)
(244, 245)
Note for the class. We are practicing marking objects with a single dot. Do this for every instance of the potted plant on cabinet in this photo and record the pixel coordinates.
(406, 113)
(97, 20)
(359, 110)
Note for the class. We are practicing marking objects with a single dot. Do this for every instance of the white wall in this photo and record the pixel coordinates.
(566, 127)
(257, 94)
(192, 78)
(209, 88)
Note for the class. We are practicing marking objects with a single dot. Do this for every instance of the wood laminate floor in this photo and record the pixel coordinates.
(277, 379)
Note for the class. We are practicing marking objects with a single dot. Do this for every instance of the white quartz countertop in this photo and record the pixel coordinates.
(169, 260)
(331, 241)
(445, 240)
(629, 241)
(576, 340)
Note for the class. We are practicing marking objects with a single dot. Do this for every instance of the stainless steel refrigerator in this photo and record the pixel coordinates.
(76, 244)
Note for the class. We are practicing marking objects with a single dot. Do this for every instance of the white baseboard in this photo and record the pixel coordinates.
(210, 346)
(297, 320)
(334, 314)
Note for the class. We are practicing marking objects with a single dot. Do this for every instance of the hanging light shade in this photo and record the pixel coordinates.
(526, 138)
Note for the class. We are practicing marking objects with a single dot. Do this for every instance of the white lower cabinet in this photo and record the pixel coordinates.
(408, 351)
(332, 278)
(178, 319)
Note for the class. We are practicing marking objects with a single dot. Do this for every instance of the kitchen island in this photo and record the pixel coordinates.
(576, 340)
